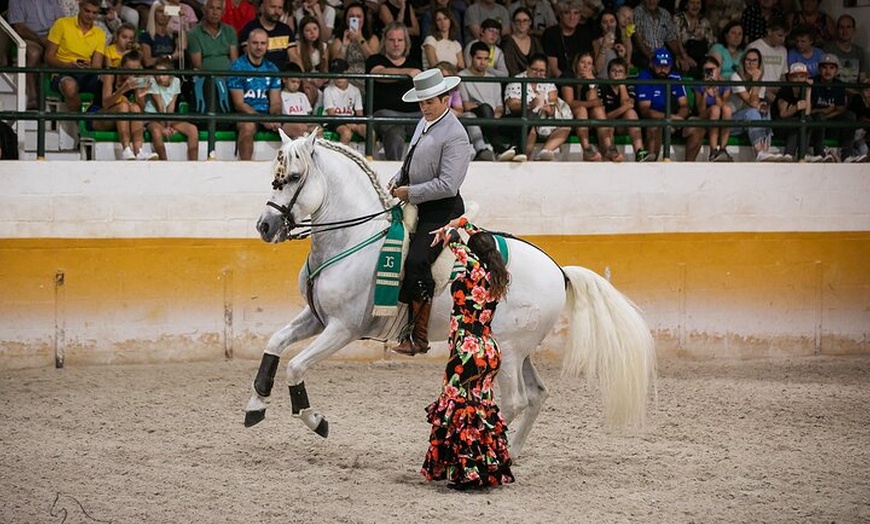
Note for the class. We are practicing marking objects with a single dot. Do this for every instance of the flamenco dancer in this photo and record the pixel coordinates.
(468, 443)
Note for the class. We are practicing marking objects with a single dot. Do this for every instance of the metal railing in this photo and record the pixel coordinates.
(212, 117)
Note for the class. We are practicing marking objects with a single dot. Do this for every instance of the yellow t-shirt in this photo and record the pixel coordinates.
(112, 56)
(72, 43)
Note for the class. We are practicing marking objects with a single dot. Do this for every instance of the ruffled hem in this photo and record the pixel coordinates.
(468, 444)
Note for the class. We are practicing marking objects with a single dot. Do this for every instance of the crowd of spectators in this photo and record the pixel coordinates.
(713, 41)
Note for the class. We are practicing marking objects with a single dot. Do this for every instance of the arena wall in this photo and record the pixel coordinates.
(110, 262)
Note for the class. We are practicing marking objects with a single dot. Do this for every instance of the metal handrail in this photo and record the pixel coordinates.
(212, 117)
(21, 58)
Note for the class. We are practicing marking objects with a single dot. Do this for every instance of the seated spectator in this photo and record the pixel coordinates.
(294, 101)
(694, 33)
(803, 50)
(651, 100)
(32, 20)
(750, 103)
(256, 94)
(280, 34)
(489, 36)
(712, 105)
(860, 106)
(619, 102)
(159, 40)
(394, 60)
(520, 44)
(791, 101)
(482, 10)
(75, 43)
(828, 104)
(324, 13)
(123, 94)
(756, 17)
(541, 14)
(311, 54)
(483, 100)
(123, 40)
(213, 46)
(457, 10)
(454, 100)
(442, 45)
(610, 45)
(722, 12)
(402, 11)
(113, 14)
(774, 55)
(853, 58)
(656, 30)
(161, 97)
(237, 14)
(729, 50)
(357, 42)
(809, 15)
(142, 8)
(541, 103)
(184, 20)
(341, 98)
(585, 104)
(563, 42)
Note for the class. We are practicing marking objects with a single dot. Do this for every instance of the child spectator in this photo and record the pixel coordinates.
(803, 50)
(121, 94)
(455, 101)
(860, 106)
(790, 103)
(489, 35)
(341, 98)
(311, 54)
(124, 38)
(618, 101)
(612, 44)
(829, 105)
(584, 103)
(161, 98)
(712, 104)
(294, 102)
(810, 15)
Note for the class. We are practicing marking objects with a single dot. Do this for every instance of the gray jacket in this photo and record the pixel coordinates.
(440, 160)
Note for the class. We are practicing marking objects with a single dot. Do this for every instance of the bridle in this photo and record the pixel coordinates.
(281, 179)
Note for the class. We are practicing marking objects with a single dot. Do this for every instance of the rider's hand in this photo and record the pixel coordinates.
(402, 193)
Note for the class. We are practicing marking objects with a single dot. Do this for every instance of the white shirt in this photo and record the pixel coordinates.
(514, 90)
(775, 60)
(345, 102)
(295, 103)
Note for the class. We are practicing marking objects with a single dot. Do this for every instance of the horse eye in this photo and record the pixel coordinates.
(293, 178)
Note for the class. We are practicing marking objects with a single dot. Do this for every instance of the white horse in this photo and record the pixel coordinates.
(334, 185)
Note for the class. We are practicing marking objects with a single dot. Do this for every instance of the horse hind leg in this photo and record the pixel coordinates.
(303, 326)
(536, 394)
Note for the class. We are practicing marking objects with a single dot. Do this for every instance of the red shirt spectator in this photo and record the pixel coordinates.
(238, 13)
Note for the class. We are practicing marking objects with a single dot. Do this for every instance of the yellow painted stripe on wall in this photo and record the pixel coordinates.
(737, 294)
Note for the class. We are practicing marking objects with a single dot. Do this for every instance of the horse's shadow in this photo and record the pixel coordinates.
(71, 511)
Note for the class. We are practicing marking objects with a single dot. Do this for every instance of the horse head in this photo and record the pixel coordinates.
(298, 188)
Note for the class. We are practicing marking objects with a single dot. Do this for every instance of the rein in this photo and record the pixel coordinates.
(290, 224)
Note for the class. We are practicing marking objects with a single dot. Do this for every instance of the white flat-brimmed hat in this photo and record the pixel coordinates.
(428, 84)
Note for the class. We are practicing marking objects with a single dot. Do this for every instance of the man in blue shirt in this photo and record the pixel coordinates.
(651, 100)
(254, 94)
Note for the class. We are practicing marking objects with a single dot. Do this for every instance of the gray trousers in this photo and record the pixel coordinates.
(393, 135)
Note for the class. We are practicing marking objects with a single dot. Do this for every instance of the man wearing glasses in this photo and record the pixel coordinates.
(490, 34)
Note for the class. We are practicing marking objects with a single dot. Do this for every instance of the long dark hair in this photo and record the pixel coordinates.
(482, 244)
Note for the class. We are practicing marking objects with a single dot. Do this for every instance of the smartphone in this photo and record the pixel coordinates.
(142, 81)
(172, 10)
(353, 22)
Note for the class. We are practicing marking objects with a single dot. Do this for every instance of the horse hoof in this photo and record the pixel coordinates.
(254, 417)
(322, 428)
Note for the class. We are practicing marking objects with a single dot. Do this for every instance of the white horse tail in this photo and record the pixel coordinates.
(609, 341)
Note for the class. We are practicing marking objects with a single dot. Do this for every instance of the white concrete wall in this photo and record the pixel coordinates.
(223, 199)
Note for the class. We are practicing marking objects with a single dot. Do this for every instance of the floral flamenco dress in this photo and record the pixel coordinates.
(468, 443)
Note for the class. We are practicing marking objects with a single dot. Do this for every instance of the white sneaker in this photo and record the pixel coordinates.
(127, 154)
(785, 157)
(854, 159)
(144, 155)
(767, 156)
(545, 155)
(507, 155)
(814, 159)
(520, 158)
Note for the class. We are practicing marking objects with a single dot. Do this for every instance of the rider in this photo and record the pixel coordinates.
(431, 174)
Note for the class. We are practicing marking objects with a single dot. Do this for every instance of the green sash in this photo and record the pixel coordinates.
(389, 266)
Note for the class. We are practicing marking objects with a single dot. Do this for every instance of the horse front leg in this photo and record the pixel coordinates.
(333, 338)
(305, 325)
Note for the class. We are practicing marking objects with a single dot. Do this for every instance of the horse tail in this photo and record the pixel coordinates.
(609, 341)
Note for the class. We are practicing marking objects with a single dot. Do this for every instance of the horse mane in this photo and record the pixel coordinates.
(355, 157)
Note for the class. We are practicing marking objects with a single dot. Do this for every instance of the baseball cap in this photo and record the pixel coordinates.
(662, 57)
(830, 59)
(338, 65)
(797, 68)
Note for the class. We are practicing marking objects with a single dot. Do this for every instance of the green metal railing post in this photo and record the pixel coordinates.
(666, 142)
(212, 123)
(40, 121)
(370, 121)
(802, 135)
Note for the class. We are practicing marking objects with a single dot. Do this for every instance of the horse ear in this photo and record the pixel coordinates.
(311, 138)
(284, 138)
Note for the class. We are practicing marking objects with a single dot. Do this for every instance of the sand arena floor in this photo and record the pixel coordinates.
(748, 441)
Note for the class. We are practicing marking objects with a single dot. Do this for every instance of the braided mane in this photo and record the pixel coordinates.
(361, 162)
